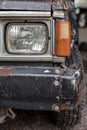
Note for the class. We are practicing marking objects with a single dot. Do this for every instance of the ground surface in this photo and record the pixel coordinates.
(34, 120)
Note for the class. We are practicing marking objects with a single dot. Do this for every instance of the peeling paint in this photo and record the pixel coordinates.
(47, 71)
(6, 71)
(62, 4)
(66, 107)
(80, 94)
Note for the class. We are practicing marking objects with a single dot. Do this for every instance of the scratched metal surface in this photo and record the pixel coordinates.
(34, 120)
(41, 5)
(44, 5)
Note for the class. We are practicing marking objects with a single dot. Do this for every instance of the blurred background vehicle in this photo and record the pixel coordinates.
(81, 10)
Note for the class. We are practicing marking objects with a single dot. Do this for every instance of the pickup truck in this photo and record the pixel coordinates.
(40, 64)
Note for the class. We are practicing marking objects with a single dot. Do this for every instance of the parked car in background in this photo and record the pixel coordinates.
(81, 10)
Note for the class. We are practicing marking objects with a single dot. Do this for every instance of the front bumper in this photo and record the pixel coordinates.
(40, 88)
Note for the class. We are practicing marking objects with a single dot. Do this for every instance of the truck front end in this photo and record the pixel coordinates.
(40, 65)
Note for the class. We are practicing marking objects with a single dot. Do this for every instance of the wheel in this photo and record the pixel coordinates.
(82, 20)
(67, 118)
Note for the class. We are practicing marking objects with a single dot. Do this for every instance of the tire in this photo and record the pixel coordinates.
(82, 20)
(67, 118)
(70, 118)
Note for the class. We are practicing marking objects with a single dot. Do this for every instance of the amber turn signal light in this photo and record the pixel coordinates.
(63, 39)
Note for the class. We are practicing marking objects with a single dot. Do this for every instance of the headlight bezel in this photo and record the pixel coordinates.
(23, 52)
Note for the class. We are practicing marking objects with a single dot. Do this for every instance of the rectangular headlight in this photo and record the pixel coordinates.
(30, 38)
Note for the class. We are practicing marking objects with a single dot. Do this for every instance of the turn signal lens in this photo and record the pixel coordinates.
(63, 38)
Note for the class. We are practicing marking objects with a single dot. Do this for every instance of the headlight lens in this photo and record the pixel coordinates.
(27, 38)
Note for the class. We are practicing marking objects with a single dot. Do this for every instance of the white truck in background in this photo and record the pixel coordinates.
(81, 10)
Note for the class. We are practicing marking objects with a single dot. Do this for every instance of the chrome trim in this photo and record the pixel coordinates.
(5, 19)
(58, 59)
(26, 58)
(58, 14)
(5, 56)
(33, 58)
(24, 13)
(54, 36)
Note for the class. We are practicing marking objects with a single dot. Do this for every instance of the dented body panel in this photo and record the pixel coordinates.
(21, 86)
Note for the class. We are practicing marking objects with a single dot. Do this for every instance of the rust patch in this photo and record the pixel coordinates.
(6, 71)
(66, 107)
(74, 16)
(80, 94)
(62, 4)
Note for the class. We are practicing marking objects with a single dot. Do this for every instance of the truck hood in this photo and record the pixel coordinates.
(35, 5)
